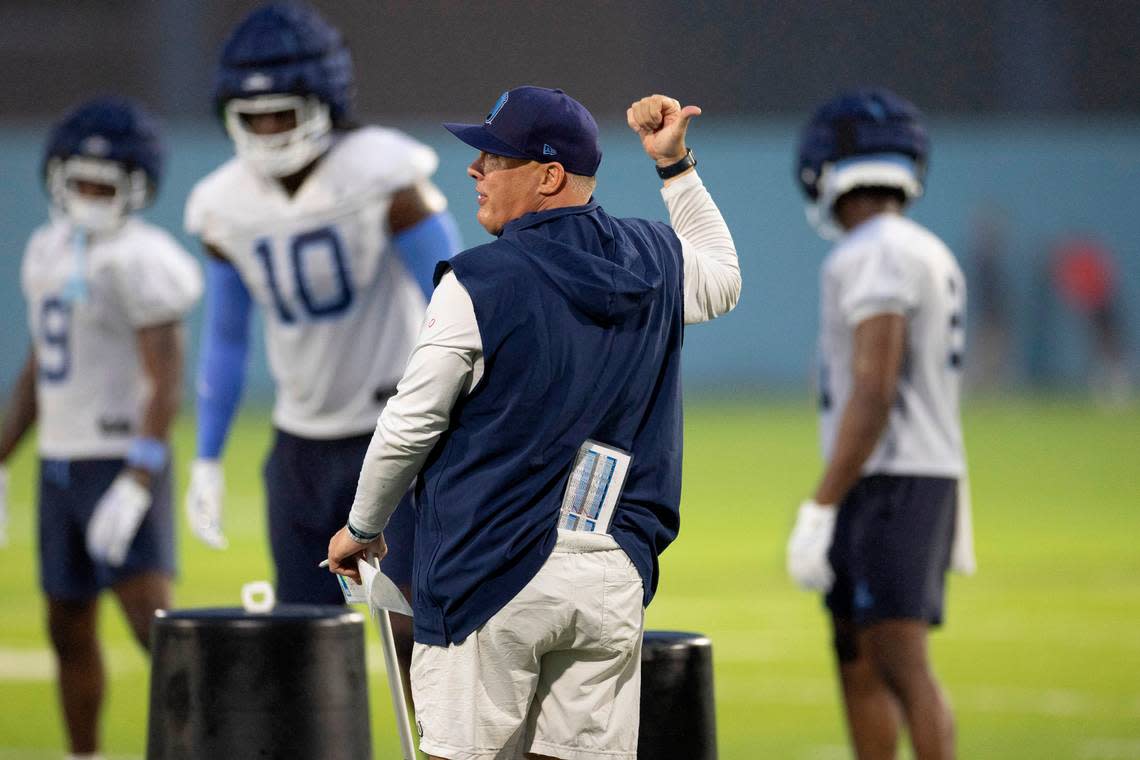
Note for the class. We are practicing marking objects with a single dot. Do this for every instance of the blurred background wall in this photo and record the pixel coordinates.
(1033, 111)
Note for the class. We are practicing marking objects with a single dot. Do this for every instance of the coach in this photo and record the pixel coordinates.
(545, 354)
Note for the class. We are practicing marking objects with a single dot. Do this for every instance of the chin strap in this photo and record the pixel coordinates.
(75, 291)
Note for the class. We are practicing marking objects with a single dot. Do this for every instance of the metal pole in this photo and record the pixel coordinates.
(396, 685)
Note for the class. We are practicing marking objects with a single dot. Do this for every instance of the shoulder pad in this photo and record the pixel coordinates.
(221, 195)
(381, 158)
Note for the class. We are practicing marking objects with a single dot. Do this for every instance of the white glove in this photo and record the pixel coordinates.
(3, 505)
(117, 517)
(204, 502)
(808, 545)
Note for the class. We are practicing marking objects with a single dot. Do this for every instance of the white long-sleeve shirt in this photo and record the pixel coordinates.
(447, 360)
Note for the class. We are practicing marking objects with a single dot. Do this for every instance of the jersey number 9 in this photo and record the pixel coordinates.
(54, 353)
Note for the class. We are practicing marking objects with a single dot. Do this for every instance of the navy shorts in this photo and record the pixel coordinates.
(311, 485)
(68, 493)
(892, 548)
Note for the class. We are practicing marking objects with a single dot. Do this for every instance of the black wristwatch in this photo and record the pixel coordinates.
(672, 170)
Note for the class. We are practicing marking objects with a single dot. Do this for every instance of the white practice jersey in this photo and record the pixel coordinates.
(341, 311)
(87, 298)
(892, 265)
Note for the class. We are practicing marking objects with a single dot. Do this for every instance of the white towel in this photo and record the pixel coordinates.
(962, 559)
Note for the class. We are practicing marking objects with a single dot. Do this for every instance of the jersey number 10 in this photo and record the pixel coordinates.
(303, 249)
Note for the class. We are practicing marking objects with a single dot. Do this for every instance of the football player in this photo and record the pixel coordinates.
(877, 534)
(333, 230)
(106, 295)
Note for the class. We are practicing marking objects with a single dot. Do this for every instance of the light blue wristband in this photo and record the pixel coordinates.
(148, 454)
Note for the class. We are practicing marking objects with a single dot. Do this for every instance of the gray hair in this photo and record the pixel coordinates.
(581, 185)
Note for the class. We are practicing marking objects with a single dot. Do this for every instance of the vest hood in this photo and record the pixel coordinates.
(592, 261)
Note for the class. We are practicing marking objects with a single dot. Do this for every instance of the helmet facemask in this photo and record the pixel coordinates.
(125, 191)
(279, 154)
(892, 170)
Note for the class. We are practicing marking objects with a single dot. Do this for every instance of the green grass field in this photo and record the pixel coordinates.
(1040, 653)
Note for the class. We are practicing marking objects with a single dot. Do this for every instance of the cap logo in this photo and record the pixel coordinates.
(502, 101)
(548, 151)
(95, 145)
(257, 81)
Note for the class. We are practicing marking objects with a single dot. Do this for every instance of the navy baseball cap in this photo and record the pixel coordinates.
(540, 124)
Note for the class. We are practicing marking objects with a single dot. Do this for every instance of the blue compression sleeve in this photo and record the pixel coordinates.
(427, 243)
(221, 364)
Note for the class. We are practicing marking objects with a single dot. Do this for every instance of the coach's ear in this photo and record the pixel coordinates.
(553, 178)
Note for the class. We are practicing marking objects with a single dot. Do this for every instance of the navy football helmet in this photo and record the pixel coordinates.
(110, 142)
(283, 57)
(865, 138)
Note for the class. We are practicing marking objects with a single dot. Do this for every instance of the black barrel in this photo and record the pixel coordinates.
(227, 684)
(678, 717)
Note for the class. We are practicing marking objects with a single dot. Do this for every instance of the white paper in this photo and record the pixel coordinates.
(593, 488)
(383, 594)
(376, 590)
(354, 593)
